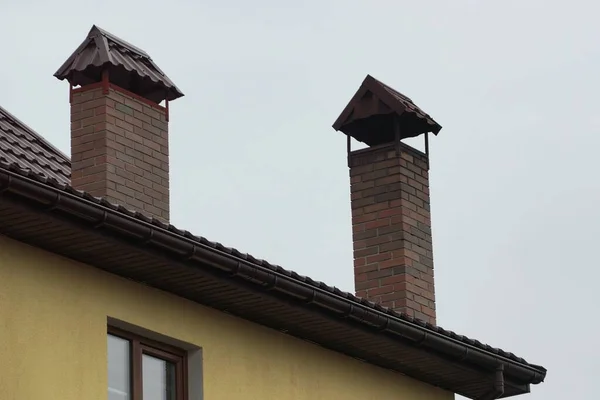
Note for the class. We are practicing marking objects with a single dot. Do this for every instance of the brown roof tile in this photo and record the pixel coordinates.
(22, 146)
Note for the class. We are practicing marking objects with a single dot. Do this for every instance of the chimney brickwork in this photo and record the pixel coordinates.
(389, 180)
(119, 129)
(120, 149)
(393, 260)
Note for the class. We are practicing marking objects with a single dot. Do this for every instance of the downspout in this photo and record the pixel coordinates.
(498, 389)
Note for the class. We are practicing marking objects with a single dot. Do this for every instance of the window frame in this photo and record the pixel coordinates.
(140, 345)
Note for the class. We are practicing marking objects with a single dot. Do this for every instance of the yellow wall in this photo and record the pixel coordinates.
(53, 316)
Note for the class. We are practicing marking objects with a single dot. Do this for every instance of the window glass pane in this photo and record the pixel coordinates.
(158, 379)
(118, 369)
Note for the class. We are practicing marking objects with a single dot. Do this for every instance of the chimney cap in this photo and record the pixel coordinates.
(129, 67)
(371, 114)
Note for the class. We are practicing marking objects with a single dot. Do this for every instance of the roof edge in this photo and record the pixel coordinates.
(118, 40)
(61, 73)
(149, 232)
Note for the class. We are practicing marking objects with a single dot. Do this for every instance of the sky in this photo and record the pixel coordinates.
(256, 165)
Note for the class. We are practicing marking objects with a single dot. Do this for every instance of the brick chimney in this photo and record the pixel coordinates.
(391, 223)
(119, 129)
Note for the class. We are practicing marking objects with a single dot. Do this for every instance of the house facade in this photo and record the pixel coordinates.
(55, 342)
(100, 297)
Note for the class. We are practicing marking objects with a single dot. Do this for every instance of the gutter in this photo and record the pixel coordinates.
(104, 217)
(498, 389)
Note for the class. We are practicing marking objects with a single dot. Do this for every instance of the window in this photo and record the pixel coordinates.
(141, 369)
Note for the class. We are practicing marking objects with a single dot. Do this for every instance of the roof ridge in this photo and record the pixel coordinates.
(43, 141)
(119, 41)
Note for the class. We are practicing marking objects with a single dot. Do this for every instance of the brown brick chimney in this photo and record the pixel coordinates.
(119, 130)
(393, 260)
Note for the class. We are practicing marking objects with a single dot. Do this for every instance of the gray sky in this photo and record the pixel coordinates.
(256, 165)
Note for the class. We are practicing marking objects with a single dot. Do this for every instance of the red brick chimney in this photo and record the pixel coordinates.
(391, 223)
(119, 130)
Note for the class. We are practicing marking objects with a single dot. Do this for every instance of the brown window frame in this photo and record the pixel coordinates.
(140, 345)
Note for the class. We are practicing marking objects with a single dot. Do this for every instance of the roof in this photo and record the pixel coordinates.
(128, 66)
(39, 209)
(22, 146)
(376, 107)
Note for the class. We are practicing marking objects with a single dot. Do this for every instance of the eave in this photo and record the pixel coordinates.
(59, 219)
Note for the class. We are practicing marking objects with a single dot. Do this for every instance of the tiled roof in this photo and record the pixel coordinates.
(24, 152)
(22, 146)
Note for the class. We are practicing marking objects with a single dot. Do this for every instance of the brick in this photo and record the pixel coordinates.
(115, 113)
(134, 121)
(362, 286)
(135, 105)
(374, 175)
(393, 280)
(157, 202)
(409, 273)
(160, 172)
(359, 262)
(77, 163)
(140, 147)
(155, 178)
(82, 147)
(376, 241)
(407, 157)
(388, 196)
(153, 145)
(388, 228)
(159, 124)
(92, 104)
(363, 202)
(83, 114)
(364, 217)
(379, 223)
(124, 108)
(376, 207)
(366, 252)
(93, 187)
(152, 210)
(360, 278)
(125, 125)
(361, 186)
(120, 150)
(392, 229)
(389, 212)
(389, 179)
(380, 290)
(143, 197)
(367, 234)
(151, 112)
(376, 190)
(391, 246)
(384, 164)
(142, 164)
